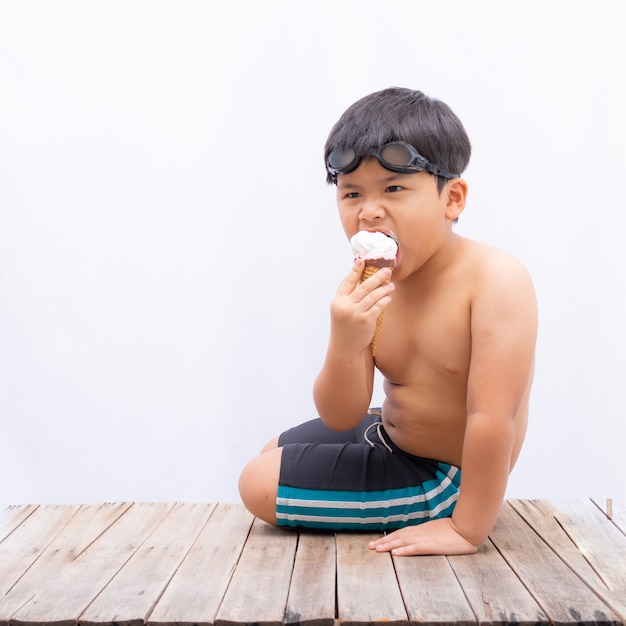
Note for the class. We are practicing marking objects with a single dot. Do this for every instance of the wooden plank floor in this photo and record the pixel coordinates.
(213, 563)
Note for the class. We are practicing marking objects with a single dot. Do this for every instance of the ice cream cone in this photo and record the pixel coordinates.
(377, 249)
(370, 270)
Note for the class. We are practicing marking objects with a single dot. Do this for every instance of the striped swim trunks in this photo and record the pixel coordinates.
(358, 480)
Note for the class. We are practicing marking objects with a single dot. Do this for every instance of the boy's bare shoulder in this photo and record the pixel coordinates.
(499, 280)
(487, 262)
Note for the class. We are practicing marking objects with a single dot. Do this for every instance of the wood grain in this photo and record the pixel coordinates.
(431, 591)
(196, 590)
(258, 591)
(311, 598)
(367, 588)
(130, 595)
(562, 595)
(213, 564)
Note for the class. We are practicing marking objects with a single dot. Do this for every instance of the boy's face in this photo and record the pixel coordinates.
(407, 205)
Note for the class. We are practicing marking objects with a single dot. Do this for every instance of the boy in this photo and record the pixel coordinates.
(456, 350)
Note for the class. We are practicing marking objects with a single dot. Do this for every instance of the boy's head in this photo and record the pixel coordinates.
(399, 115)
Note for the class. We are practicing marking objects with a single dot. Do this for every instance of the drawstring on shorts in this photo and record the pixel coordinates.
(378, 426)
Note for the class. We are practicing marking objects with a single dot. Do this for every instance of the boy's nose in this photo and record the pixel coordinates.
(371, 210)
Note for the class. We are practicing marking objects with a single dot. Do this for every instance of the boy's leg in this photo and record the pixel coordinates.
(258, 483)
(270, 445)
(364, 482)
(370, 484)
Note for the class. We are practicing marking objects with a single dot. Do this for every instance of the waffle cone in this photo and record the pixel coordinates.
(370, 270)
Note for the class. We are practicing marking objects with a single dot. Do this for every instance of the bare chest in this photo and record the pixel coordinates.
(426, 339)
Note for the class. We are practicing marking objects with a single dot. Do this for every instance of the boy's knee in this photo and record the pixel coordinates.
(270, 445)
(258, 485)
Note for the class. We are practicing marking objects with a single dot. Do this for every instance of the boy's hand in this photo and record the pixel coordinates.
(356, 307)
(438, 536)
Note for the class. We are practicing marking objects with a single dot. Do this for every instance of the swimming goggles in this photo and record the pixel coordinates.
(396, 156)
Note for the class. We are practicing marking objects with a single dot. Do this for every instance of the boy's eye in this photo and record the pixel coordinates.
(393, 188)
(352, 194)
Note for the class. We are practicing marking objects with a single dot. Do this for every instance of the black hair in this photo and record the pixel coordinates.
(399, 114)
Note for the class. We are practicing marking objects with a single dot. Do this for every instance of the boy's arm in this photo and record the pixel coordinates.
(343, 388)
(504, 331)
(503, 327)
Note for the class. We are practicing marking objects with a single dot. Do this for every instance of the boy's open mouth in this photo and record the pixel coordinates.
(389, 233)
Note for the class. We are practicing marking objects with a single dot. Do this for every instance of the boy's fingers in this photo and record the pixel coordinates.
(353, 278)
(382, 275)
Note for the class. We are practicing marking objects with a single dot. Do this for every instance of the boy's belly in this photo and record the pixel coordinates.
(432, 427)
(432, 437)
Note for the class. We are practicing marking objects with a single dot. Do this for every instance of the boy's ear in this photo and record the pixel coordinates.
(456, 196)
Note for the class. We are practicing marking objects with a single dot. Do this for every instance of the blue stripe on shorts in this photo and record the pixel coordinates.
(370, 510)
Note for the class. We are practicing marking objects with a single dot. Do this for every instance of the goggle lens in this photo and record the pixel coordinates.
(396, 154)
(340, 159)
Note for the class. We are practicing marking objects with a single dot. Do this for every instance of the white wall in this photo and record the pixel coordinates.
(163, 305)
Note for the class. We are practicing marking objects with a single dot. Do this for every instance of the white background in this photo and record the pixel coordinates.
(169, 248)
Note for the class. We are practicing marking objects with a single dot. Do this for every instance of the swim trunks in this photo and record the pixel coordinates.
(358, 480)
